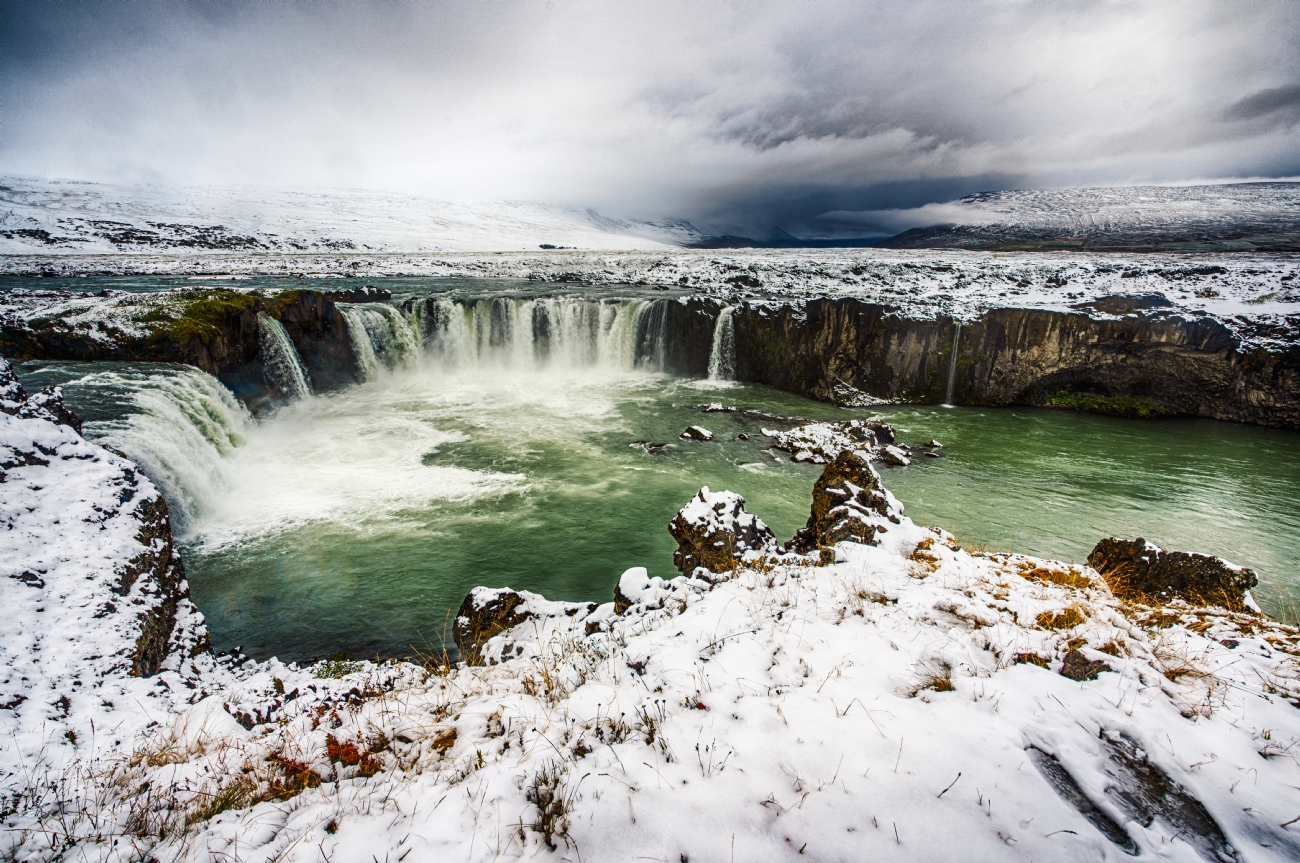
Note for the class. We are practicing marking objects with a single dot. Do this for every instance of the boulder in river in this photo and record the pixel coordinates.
(714, 531)
(697, 433)
(1138, 571)
(849, 504)
(894, 455)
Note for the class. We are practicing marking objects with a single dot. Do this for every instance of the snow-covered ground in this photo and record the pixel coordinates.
(1195, 216)
(73, 218)
(904, 702)
(1257, 295)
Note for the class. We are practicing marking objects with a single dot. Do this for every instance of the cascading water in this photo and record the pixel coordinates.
(181, 426)
(952, 366)
(652, 337)
(382, 337)
(280, 359)
(564, 332)
(722, 357)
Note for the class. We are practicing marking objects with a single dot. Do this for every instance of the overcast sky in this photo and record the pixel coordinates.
(741, 113)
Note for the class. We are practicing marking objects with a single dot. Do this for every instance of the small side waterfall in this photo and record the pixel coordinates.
(280, 359)
(722, 358)
(382, 337)
(952, 366)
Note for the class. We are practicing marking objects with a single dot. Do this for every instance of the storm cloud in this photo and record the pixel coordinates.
(807, 116)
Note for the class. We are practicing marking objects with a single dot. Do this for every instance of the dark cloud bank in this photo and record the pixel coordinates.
(818, 119)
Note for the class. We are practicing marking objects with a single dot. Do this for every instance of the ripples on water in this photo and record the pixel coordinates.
(359, 519)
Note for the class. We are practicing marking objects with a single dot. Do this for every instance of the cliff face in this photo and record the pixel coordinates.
(218, 331)
(1152, 362)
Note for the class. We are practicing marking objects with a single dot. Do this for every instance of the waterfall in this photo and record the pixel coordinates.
(280, 359)
(383, 338)
(563, 332)
(183, 424)
(722, 357)
(952, 365)
(652, 337)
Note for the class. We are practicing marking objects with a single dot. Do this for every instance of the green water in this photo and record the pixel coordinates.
(358, 521)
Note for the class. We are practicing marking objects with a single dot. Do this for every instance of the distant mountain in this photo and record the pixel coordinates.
(1239, 216)
(61, 217)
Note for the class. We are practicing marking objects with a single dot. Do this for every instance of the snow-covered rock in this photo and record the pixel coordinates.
(699, 433)
(849, 504)
(98, 630)
(715, 533)
(821, 442)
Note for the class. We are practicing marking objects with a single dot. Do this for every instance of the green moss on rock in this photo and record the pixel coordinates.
(202, 316)
(1140, 407)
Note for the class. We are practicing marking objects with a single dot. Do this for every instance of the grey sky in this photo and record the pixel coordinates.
(725, 113)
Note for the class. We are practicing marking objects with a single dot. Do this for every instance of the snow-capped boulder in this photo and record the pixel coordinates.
(895, 455)
(699, 433)
(1140, 571)
(637, 590)
(713, 531)
(849, 504)
(488, 612)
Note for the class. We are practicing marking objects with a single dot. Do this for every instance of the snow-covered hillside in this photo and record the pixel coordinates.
(1241, 216)
(55, 217)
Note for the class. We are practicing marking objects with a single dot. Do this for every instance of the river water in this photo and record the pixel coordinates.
(358, 520)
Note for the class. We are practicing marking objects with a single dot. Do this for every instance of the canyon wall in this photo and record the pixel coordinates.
(1152, 362)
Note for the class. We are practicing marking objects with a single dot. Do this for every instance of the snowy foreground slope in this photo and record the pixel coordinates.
(71, 218)
(904, 701)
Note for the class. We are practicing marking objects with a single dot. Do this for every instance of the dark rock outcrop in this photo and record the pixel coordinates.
(363, 294)
(715, 532)
(217, 331)
(483, 614)
(490, 611)
(48, 404)
(1138, 571)
(319, 333)
(160, 565)
(1154, 361)
(849, 504)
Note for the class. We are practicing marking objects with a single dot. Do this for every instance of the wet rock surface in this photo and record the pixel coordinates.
(1138, 571)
